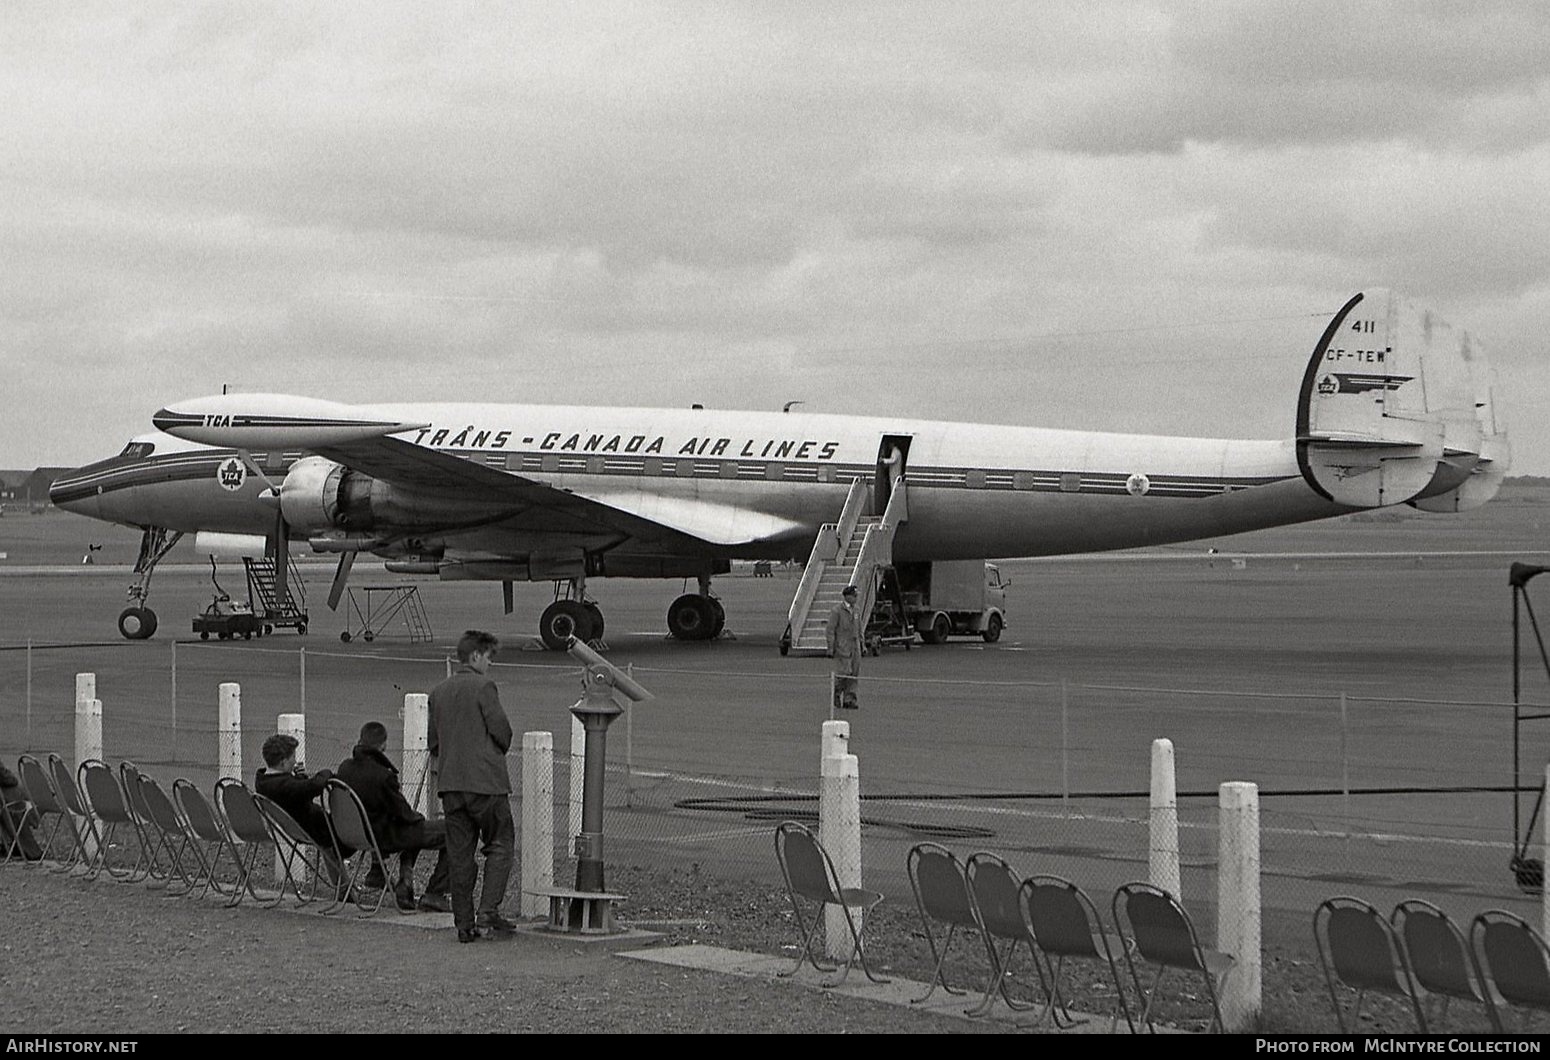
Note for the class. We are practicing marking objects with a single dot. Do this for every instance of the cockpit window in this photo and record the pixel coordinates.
(139, 450)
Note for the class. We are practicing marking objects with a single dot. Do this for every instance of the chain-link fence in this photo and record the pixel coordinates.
(1384, 798)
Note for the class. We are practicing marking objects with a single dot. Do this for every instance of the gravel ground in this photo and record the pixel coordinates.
(125, 958)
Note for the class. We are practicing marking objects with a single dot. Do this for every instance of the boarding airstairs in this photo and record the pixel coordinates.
(849, 552)
(277, 603)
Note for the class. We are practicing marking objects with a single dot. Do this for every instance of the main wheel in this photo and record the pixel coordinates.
(992, 629)
(691, 617)
(137, 623)
(563, 620)
(596, 614)
(719, 623)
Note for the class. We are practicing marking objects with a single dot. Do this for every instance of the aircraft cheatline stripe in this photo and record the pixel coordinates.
(164, 420)
(192, 466)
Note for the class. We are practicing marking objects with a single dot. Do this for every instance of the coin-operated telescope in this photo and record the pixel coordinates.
(606, 691)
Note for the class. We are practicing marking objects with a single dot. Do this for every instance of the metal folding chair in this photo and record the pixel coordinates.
(1159, 931)
(351, 829)
(1358, 947)
(1065, 924)
(148, 862)
(209, 833)
(809, 874)
(19, 813)
(1513, 959)
(255, 822)
(941, 885)
(300, 853)
(993, 887)
(1440, 958)
(82, 825)
(166, 827)
(45, 802)
(105, 802)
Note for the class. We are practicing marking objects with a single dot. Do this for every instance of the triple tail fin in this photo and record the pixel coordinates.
(1398, 406)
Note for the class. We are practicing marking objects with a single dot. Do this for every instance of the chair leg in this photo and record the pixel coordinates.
(856, 950)
(936, 972)
(806, 951)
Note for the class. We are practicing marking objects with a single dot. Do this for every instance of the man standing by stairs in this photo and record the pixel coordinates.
(843, 631)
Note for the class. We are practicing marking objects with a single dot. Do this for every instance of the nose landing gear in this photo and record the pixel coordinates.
(138, 622)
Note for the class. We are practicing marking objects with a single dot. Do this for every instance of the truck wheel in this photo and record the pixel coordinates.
(992, 629)
(941, 629)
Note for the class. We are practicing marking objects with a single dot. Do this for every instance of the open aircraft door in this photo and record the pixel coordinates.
(892, 455)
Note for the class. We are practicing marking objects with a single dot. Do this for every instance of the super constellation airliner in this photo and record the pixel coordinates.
(1395, 407)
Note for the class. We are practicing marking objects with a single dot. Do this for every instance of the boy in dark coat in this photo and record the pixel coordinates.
(399, 828)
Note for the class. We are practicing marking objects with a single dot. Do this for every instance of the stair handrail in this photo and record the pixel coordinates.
(830, 542)
(897, 510)
(876, 551)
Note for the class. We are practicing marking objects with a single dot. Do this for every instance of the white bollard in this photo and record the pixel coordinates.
(1237, 903)
(537, 821)
(88, 730)
(417, 755)
(85, 687)
(839, 830)
(1165, 820)
(578, 775)
(836, 740)
(228, 731)
(290, 725)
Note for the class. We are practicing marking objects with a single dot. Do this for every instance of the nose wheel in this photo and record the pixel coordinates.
(137, 623)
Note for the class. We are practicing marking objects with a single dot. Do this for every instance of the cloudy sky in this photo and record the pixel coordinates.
(1123, 216)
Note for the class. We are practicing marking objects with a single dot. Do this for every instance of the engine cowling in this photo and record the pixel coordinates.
(320, 496)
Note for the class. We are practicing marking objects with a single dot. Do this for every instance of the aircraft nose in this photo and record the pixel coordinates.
(76, 490)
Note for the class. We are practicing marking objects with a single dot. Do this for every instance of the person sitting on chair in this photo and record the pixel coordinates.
(285, 782)
(396, 824)
(16, 817)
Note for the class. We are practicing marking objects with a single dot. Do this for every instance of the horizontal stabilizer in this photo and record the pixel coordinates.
(262, 421)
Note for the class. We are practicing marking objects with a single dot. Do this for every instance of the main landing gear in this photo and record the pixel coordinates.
(570, 616)
(697, 616)
(138, 622)
(693, 616)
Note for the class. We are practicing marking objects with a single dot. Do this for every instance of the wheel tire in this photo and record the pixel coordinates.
(368, 636)
(720, 621)
(691, 617)
(301, 629)
(224, 636)
(248, 635)
(940, 629)
(596, 614)
(344, 637)
(563, 620)
(204, 636)
(137, 623)
(993, 626)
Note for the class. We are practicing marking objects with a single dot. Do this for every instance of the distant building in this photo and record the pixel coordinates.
(28, 488)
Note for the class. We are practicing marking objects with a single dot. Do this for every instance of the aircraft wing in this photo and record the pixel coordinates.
(681, 523)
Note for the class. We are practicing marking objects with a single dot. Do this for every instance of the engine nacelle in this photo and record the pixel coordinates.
(319, 495)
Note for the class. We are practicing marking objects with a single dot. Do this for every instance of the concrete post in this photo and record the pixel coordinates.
(416, 763)
(1165, 820)
(839, 830)
(578, 774)
(537, 821)
(85, 687)
(228, 731)
(836, 740)
(290, 725)
(1238, 906)
(88, 730)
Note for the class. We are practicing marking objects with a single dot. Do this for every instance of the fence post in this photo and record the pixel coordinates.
(417, 750)
(839, 830)
(836, 740)
(228, 731)
(301, 700)
(1237, 906)
(1165, 820)
(29, 693)
(1065, 742)
(174, 740)
(537, 821)
(289, 725)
